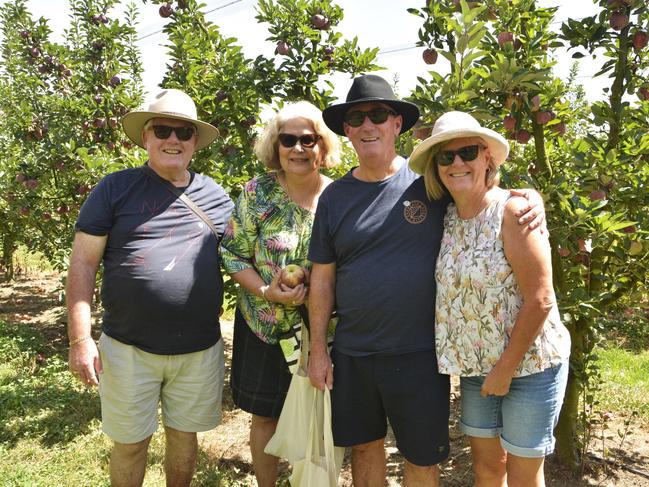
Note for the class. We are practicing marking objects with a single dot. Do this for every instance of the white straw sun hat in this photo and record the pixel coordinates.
(455, 125)
(169, 103)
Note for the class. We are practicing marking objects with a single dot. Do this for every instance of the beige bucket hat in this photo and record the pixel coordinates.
(169, 103)
(455, 125)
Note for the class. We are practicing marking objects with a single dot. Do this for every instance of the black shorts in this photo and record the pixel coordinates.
(259, 378)
(406, 389)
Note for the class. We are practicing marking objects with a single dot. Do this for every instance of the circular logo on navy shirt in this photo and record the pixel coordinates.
(414, 211)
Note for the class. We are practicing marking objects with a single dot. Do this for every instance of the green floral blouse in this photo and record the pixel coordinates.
(266, 232)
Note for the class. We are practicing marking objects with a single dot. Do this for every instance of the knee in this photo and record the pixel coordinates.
(370, 447)
(180, 437)
(263, 421)
(494, 467)
(131, 450)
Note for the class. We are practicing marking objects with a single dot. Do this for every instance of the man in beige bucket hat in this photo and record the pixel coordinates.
(156, 229)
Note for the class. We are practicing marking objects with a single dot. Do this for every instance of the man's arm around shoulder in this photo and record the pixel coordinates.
(87, 252)
(322, 288)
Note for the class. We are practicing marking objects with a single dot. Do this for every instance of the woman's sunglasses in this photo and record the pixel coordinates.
(307, 141)
(376, 116)
(164, 132)
(467, 153)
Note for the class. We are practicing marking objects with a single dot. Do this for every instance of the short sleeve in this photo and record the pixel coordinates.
(321, 247)
(238, 244)
(96, 214)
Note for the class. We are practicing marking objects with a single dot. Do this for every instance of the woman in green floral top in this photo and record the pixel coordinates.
(497, 324)
(269, 229)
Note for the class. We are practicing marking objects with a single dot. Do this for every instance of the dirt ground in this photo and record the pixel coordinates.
(36, 301)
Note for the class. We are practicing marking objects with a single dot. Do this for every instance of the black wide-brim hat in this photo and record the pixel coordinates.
(366, 89)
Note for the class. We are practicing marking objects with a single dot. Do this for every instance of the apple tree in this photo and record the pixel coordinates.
(60, 129)
(588, 160)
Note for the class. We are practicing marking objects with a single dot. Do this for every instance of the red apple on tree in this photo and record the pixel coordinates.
(640, 40)
(282, 48)
(597, 195)
(543, 117)
(619, 20)
(31, 184)
(166, 10)
(643, 93)
(505, 37)
(509, 123)
(320, 22)
(523, 136)
(292, 275)
(430, 56)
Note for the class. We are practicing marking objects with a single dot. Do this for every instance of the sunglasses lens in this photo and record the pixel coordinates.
(468, 153)
(184, 133)
(376, 116)
(445, 158)
(287, 140)
(308, 141)
(380, 115)
(355, 119)
(162, 131)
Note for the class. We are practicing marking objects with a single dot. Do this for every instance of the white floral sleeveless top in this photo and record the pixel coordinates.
(478, 300)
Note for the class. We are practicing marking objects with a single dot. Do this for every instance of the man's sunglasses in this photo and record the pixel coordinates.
(376, 116)
(467, 153)
(307, 140)
(183, 133)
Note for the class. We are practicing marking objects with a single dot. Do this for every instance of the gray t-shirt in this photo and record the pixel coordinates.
(384, 238)
(162, 288)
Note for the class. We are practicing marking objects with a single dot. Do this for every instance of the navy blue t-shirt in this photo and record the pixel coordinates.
(162, 287)
(384, 238)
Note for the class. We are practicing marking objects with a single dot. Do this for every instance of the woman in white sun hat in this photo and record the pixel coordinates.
(497, 324)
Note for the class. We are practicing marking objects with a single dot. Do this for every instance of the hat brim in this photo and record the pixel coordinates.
(334, 116)
(497, 144)
(133, 123)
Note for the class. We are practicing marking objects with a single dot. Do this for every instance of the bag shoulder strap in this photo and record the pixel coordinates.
(183, 197)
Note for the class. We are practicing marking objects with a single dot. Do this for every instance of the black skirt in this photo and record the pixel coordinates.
(259, 377)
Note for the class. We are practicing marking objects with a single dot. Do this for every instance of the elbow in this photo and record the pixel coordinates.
(544, 304)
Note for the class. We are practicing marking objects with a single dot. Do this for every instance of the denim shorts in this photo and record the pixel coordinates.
(524, 418)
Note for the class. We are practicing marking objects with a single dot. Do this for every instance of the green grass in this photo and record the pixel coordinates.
(50, 426)
(625, 381)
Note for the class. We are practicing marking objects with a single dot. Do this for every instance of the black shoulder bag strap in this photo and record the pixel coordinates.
(183, 197)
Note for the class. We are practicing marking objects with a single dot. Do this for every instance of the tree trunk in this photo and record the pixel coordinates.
(568, 448)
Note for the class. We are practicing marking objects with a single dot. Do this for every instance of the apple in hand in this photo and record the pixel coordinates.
(292, 275)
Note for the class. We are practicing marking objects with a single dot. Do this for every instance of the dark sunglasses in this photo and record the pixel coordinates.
(376, 116)
(307, 140)
(467, 153)
(164, 132)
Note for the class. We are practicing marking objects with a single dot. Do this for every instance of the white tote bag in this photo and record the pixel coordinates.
(304, 426)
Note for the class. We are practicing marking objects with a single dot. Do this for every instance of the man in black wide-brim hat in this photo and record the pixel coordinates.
(374, 246)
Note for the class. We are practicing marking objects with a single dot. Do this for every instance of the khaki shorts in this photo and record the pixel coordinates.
(188, 386)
